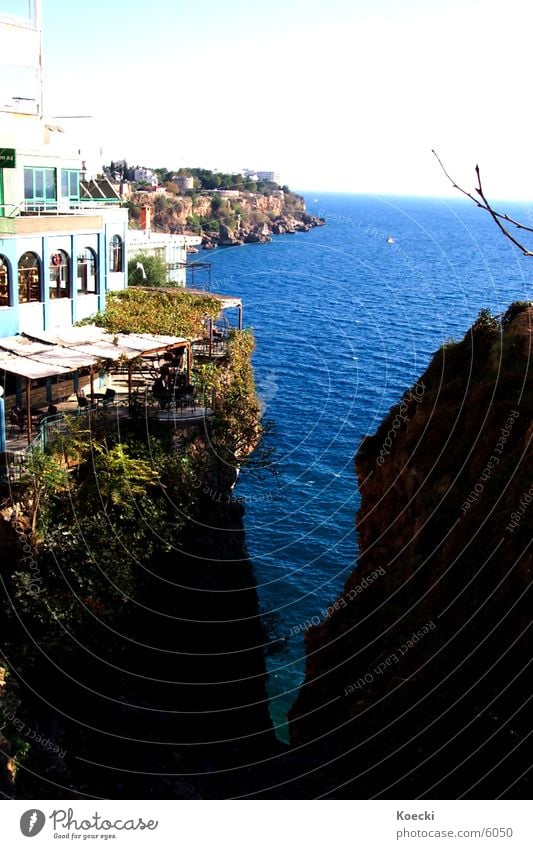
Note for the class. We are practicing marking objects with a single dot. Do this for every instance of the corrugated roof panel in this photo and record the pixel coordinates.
(27, 367)
(49, 353)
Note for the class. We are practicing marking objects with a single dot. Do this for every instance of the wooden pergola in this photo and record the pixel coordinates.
(51, 354)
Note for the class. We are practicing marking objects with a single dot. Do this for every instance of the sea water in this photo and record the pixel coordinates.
(345, 317)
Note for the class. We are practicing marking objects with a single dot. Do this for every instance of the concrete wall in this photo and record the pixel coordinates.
(30, 319)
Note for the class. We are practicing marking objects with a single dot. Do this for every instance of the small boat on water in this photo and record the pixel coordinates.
(390, 240)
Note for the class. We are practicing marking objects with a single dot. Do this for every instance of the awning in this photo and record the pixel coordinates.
(26, 367)
(62, 351)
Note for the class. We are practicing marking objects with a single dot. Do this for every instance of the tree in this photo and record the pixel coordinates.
(155, 269)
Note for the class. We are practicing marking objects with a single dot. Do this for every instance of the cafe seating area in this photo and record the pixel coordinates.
(155, 387)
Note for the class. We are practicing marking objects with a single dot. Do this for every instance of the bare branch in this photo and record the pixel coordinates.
(483, 203)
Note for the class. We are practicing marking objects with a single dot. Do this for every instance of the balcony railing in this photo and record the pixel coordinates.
(141, 405)
(62, 207)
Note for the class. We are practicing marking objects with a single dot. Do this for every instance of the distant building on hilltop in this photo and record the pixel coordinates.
(185, 183)
(144, 175)
(267, 176)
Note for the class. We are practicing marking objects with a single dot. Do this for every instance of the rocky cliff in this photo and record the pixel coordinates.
(168, 701)
(228, 218)
(417, 683)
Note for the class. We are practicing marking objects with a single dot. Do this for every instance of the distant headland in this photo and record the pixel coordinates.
(224, 209)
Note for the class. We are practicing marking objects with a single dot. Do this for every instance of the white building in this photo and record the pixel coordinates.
(60, 252)
(270, 176)
(186, 184)
(145, 175)
(172, 249)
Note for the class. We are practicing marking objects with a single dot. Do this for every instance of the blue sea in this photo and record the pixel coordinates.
(346, 317)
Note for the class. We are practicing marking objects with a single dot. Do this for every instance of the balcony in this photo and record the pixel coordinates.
(138, 405)
(64, 216)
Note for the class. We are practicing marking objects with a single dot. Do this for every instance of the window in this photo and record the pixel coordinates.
(5, 299)
(59, 275)
(87, 272)
(115, 254)
(70, 184)
(40, 187)
(29, 278)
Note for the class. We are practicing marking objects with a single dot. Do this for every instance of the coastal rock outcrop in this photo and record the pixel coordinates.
(416, 683)
(227, 236)
(228, 219)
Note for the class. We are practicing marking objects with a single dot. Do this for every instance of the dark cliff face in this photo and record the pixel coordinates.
(165, 700)
(417, 683)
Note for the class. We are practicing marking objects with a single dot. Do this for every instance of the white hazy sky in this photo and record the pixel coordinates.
(338, 95)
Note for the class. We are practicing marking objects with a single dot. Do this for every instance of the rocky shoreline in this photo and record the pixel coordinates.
(238, 219)
(246, 233)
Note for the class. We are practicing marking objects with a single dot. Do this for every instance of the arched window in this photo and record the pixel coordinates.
(87, 284)
(5, 294)
(59, 275)
(29, 278)
(116, 254)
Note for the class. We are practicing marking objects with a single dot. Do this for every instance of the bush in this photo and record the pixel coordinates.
(155, 269)
(161, 312)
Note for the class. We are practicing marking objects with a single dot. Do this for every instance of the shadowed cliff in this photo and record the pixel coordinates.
(418, 683)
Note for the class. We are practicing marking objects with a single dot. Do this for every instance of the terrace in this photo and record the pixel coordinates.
(88, 372)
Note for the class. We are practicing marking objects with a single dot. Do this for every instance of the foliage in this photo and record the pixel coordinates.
(159, 311)
(134, 211)
(194, 222)
(120, 479)
(161, 203)
(45, 479)
(135, 495)
(513, 310)
(486, 322)
(155, 269)
(237, 429)
(218, 203)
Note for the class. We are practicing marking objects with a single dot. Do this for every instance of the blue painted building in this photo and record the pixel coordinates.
(60, 250)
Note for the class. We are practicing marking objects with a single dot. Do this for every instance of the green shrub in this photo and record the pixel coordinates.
(155, 269)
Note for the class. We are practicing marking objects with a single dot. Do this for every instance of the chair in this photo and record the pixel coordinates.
(83, 402)
(108, 397)
(187, 400)
(16, 422)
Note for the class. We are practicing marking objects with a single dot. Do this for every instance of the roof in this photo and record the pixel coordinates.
(62, 351)
(98, 189)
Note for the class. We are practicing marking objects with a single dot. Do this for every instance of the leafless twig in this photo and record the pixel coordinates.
(483, 203)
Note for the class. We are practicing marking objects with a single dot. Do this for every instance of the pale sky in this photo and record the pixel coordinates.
(338, 95)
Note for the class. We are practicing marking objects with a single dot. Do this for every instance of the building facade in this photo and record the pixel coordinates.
(267, 176)
(171, 249)
(60, 251)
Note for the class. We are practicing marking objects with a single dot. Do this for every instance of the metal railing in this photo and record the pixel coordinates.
(55, 207)
(64, 207)
(217, 348)
(14, 463)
